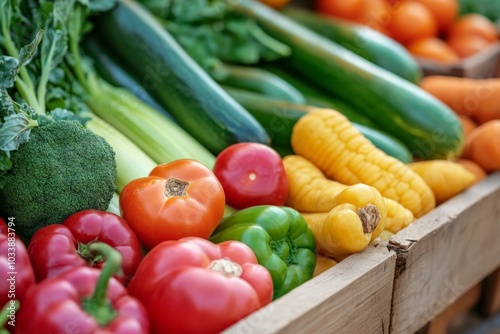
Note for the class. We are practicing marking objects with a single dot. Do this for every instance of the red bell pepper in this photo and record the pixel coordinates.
(16, 273)
(57, 248)
(83, 300)
(195, 286)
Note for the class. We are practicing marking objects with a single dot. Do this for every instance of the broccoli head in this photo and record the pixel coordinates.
(63, 168)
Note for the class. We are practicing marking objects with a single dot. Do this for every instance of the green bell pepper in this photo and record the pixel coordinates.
(280, 239)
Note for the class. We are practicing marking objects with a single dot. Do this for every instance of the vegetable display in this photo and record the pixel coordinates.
(177, 199)
(214, 285)
(397, 106)
(280, 238)
(177, 166)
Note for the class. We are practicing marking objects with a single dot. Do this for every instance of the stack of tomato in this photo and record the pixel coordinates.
(177, 259)
(432, 29)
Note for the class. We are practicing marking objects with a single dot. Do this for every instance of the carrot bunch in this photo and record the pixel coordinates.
(477, 103)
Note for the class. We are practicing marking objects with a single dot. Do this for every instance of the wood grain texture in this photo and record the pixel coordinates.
(463, 304)
(444, 254)
(352, 297)
(491, 304)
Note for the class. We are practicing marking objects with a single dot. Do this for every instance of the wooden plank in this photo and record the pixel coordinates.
(444, 254)
(464, 303)
(352, 297)
(491, 304)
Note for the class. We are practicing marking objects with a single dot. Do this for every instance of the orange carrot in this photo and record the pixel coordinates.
(467, 123)
(483, 146)
(475, 98)
(473, 167)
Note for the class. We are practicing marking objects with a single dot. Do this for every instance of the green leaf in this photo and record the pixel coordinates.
(53, 49)
(59, 114)
(14, 131)
(9, 67)
(28, 51)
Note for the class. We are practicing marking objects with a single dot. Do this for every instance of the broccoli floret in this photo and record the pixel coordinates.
(63, 168)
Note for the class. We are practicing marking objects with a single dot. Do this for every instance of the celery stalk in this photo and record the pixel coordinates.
(159, 137)
(131, 161)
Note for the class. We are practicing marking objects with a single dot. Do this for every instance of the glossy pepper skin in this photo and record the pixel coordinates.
(16, 273)
(83, 300)
(279, 237)
(57, 248)
(194, 286)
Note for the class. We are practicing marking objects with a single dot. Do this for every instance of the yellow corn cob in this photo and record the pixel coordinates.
(309, 190)
(327, 139)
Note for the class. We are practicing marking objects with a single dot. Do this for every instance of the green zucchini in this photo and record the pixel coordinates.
(111, 69)
(279, 117)
(315, 96)
(363, 41)
(260, 81)
(197, 103)
(400, 108)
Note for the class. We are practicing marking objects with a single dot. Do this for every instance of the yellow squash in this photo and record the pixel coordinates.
(330, 141)
(309, 190)
(358, 217)
(445, 177)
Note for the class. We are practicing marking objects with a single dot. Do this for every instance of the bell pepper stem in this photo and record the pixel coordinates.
(97, 305)
(4, 314)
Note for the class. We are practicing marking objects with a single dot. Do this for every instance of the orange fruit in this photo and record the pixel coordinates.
(433, 48)
(474, 24)
(411, 21)
(375, 14)
(467, 45)
(347, 9)
(444, 11)
(467, 124)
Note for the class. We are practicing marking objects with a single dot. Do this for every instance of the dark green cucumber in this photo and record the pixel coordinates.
(279, 117)
(259, 81)
(111, 69)
(363, 41)
(315, 96)
(400, 108)
(192, 97)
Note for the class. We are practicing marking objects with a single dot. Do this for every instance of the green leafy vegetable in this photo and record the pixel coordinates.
(213, 34)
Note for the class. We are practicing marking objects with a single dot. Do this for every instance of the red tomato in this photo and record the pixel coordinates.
(179, 199)
(251, 174)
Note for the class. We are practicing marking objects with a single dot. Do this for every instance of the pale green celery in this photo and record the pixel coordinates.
(114, 205)
(131, 162)
(159, 137)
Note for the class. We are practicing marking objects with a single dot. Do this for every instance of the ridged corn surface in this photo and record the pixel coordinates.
(308, 188)
(398, 217)
(330, 141)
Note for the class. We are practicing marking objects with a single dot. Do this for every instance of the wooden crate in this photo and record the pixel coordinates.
(444, 254)
(352, 297)
(485, 64)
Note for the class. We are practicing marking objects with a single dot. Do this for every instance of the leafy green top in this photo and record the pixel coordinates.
(212, 33)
